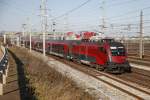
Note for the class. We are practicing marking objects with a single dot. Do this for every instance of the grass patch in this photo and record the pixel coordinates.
(46, 83)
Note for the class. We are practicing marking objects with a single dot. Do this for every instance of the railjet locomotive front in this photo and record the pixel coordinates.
(117, 57)
(105, 54)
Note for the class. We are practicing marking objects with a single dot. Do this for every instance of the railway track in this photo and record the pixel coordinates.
(145, 61)
(146, 58)
(139, 79)
(142, 72)
(138, 84)
(137, 62)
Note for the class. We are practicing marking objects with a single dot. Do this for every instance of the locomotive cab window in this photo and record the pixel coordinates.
(118, 51)
(108, 40)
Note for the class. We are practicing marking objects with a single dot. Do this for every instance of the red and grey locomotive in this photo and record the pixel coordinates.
(105, 54)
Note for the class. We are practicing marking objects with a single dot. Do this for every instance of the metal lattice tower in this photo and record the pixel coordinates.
(103, 25)
(44, 25)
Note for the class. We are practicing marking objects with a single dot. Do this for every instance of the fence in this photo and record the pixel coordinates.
(4, 65)
(133, 48)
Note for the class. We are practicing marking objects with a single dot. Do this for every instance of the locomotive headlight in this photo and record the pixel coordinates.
(113, 47)
(120, 47)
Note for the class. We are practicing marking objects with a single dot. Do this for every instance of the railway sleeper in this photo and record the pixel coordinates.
(100, 67)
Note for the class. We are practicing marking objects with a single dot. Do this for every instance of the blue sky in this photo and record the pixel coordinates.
(118, 15)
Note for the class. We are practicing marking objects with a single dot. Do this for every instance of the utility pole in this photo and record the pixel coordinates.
(141, 35)
(18, 41)
(66, 25)
(129, 27)
(44, 21)
(30, 30)
(23, 37)
(4, 38)
(30, 39)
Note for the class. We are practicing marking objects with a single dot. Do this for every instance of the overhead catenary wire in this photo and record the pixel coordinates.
(110, 5)
(130, 12)
(131, 18)
(114, 4)
(120, 3)
(111, 17)
(72, 10)
(16, 8)
(86, 2)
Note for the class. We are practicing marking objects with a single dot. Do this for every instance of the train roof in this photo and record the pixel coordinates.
(100, 41)
(109, 41)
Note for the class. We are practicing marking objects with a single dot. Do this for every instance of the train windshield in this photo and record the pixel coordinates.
(117, 51)
(108, 40)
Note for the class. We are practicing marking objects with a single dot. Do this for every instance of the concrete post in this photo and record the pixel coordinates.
(4, 78)
(18, 42)
(141, 36)
(4, 39)
(1, 89)
(1, 83)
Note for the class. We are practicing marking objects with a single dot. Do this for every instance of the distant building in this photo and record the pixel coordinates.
(87, 35)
